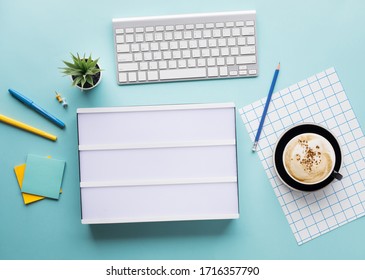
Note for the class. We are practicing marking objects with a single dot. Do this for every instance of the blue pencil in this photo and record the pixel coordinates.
(266, 108)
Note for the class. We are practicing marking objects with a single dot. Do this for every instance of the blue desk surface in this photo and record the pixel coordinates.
(306, 37)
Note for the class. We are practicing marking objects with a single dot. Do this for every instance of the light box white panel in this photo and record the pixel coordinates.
(159, 203)
(168, 163)
(158, 163)
(156, 126)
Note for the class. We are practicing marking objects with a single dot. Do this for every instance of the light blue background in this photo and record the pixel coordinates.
(305, 36)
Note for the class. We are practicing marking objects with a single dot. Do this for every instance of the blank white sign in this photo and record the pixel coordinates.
(158, 163)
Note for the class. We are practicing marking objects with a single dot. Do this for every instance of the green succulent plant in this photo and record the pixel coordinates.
(82, 70)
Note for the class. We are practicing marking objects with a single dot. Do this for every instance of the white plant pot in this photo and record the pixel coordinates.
(90, 88)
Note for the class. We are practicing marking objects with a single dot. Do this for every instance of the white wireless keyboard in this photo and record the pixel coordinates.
(186, 47)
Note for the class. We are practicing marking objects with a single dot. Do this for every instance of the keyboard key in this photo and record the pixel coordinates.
(138, 57)
(142, 76)
(251, 40)
(222, 42)
(160, 28)
(247, 59)
(212, 43)
(250, 23)
(191, 63)
(135, 47)
(172, 64)
(132, 76)
(129, 30)
(167, 55)
(157, 55)
(147, 56)
(217, 33)
(229, 24)
(214, 52)
(125, 67)
(186, 54)
(248, 50)
(231, 41)
(125, 57)
(226, 32)
(178, 35)
(119, 31)
(252, 72)
(158, 36)
(145, 47)
(211, 61)
(196, 53)
(207, 33)
(183, 44)
(149, 29)
(199, 25)
(143, 66)
(139, 29)
(123, 77)
(233, 73)
(183, 73)
(139, 38)
(129, 38)
(241, 41)
(223, 71)
(149, 37)
(234, 51)
(181, 63)
(197, 34)
(152, 75)
(203, 43)
(205, 52)
(122, 48)
(169, 27)
(154, 47)
(230, 61)
(209, 25)
(240, 23)
(245, 31)
(193, 44)
(179, 27)
(119, 39)
(189, 26)
(187, 35)
(212, 72)
(219, 24)
(162, 64)
(242, 72)
(201, 62)
(153, 65)
(168, 36)
(221, 61)
(236, 32)
(164, 46)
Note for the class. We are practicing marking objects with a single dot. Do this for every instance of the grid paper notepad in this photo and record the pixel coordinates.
(319, 99)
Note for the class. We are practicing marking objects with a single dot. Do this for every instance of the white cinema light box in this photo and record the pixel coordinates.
(158, 163)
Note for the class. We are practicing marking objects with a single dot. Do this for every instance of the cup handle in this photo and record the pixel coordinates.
(336, 175)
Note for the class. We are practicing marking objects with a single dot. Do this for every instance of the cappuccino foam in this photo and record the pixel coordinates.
(309, 158)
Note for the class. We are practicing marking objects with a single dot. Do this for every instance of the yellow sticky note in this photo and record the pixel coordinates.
(19, 173)
(28, 198)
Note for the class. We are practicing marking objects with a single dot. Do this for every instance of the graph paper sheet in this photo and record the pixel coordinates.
(320, 99)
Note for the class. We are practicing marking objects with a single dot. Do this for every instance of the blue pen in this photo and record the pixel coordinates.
(266, 108)
(36, 108)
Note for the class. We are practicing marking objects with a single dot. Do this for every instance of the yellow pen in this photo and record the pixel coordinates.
(26, 127)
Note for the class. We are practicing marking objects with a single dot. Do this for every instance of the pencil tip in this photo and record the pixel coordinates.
(278, 66)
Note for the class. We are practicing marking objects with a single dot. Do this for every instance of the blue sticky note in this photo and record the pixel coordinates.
(43, 176)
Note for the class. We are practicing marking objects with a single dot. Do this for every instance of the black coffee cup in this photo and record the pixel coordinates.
(308, 157)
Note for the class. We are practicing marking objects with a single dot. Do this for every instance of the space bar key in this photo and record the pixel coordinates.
(183, 73)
